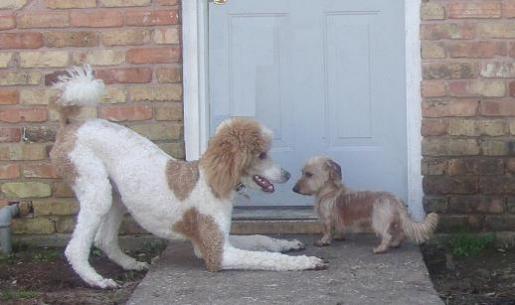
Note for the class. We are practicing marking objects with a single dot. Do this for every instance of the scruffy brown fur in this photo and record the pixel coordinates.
(340, 209)
(231, 154)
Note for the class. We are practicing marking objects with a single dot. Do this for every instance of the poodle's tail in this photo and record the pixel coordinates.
(419, 232)
(79, 88)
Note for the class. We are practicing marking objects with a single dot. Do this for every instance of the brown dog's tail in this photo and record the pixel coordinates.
(79, 88)
(419, 232)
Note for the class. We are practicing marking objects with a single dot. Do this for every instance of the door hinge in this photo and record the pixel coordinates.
(219, 2)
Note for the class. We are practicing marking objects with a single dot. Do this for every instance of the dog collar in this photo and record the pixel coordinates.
(239, 187)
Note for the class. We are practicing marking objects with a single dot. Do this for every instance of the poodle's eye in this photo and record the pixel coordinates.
(262, 156)
(308, 174)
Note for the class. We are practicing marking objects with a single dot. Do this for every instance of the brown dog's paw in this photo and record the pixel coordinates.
(339, 237)
(321, 243)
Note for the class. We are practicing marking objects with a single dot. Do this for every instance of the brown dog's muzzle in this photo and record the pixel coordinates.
(296, 188)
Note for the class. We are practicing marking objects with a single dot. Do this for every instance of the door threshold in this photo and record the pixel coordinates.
(274, 213)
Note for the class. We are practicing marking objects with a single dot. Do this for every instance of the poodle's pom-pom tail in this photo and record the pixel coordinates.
(79, 87)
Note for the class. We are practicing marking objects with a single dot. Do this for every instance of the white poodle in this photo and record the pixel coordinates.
(171, 199)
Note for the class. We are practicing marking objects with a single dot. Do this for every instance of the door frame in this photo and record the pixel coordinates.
(196, 93)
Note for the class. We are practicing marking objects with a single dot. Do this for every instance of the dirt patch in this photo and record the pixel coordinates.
(43, 276)
(485, 278)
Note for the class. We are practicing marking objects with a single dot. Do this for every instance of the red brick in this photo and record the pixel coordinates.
(43, 20)
(168, 2)
(21, 40)
(449, 70)
(126, 113)
(491, 185)
(126, 75)
(442, 185)
(9, 171)
(41, 170)
(97, 19)
(512, 89)
(62, 190)
(476, 9)
(447, 31)
(148, 18)
(433, 89)
(510, 166)
(67, 4)
(10, 134)
(24, 115)
(450, 108)
(476, 204)
(434, 127)
(483, 88)
(478, 49)
(498, 108)
(500, 223)
(7, 22)
(9, 97)
(70, 39)
(169, 75)
(509, 9)
(153, 55)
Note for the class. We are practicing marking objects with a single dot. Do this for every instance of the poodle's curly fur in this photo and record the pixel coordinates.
(100, 159)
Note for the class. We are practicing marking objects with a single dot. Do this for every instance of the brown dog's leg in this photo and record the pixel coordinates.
(397, 239)
(385, 242)
(339, 232)
(327, 237)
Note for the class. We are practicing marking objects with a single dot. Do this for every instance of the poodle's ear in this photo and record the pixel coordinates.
(223, 164)
(335, 170)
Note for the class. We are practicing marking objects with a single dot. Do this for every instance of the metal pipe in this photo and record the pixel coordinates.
(6, 215)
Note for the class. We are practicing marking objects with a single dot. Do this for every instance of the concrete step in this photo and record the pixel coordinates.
(300, 226)
(355, 276)
(275, 220)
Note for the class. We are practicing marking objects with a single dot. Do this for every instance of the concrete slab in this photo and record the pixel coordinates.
(355, 277)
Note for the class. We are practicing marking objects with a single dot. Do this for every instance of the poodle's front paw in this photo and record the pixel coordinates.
(318, 263)
(294, 245)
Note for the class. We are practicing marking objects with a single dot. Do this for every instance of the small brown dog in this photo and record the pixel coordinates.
(340, 209)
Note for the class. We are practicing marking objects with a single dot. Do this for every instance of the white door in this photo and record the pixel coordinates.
(327, 76)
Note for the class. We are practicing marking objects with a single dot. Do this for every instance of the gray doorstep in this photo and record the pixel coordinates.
(355, 277)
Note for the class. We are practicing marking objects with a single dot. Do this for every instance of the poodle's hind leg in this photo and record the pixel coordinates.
(107, 238)
(93, 190)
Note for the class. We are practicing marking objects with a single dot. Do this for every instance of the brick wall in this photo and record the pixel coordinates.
(134, 45)
(468, 51)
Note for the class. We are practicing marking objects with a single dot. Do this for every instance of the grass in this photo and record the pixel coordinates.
(10, 295)
(23, 252)
(470, 245)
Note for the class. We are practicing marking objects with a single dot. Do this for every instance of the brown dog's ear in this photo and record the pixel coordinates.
(335, 170)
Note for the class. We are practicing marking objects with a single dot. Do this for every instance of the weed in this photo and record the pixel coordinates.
(9, 295)
(470, 245)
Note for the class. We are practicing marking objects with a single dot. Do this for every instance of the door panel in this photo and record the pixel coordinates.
(326, 76)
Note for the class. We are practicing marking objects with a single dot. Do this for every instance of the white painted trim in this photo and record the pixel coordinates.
(196, 105)
(413, 107)
(194, 39)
